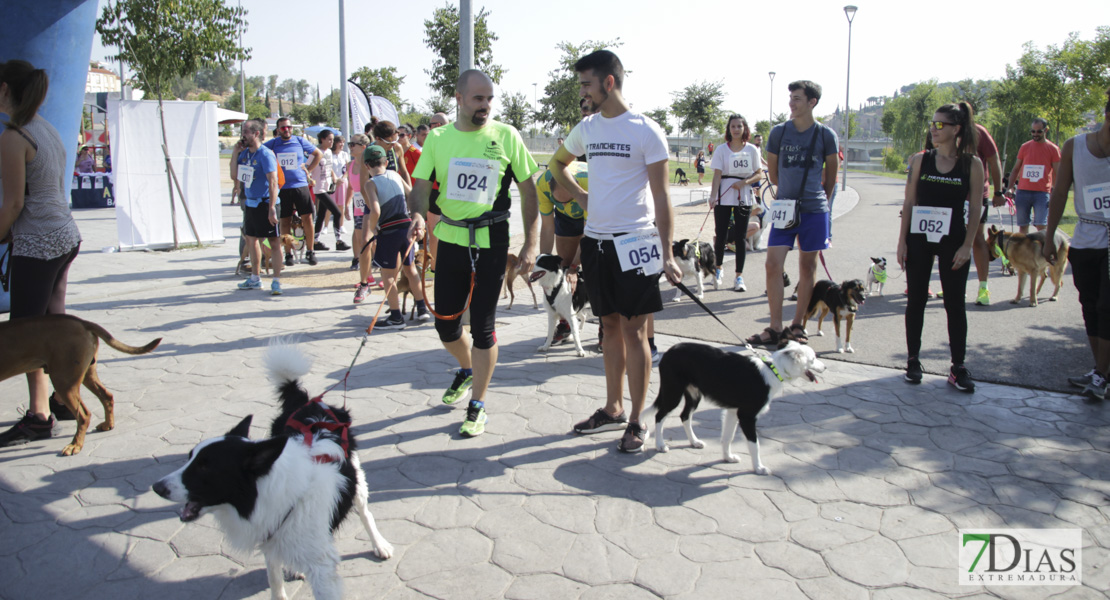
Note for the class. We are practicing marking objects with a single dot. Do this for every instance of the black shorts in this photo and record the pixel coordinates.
(298, 198)
(612, 290)
(390, 246)
(256, 221)
(1089, 272)
(568, 226)
(453, 286)
(35, 281)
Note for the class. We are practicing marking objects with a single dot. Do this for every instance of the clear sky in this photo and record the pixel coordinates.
(669, 45)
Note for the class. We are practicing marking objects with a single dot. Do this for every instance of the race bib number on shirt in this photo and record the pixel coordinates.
(740, 165)
(782, 213)
(287, 160)
(245, 175)
(933, 221)
(640, 250)
(1033, 172)
(1096, 199)
(472, 180)
(359, 202)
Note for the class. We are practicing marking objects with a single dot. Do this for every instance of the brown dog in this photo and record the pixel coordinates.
(512, 271)
(1024, 253)
(65, 347)
(288, 243)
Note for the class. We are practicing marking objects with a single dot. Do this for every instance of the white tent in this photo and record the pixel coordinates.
(227, 117)
(143, 213)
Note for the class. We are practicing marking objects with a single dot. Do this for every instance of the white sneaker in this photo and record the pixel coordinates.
(717, 283)
(739, 287)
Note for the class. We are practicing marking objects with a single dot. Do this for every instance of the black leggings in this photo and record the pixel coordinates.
(720, 222)
(324, 203)
(919, 268)
(453, 285)
(1088, 272)
(34, 282)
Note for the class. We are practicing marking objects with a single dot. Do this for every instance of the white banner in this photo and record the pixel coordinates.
(363, 106)
(143, 217)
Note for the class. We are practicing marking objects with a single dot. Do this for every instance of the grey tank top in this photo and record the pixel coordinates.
(45, 228)
(1089, 172)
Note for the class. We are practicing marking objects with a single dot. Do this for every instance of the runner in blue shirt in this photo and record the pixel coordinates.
(291, 151)
(255, 172)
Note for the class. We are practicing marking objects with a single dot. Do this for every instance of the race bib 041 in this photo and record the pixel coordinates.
(783, 213)
(933, 221)
(640, 250)
(472, 180)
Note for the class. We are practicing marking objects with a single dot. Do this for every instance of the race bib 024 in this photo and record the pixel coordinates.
(472, 180)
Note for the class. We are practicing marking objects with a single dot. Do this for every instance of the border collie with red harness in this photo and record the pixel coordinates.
(285, 495)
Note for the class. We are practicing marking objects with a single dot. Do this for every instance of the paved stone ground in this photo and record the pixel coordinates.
(872, 478)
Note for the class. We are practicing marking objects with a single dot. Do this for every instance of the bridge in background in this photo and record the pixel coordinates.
(859, 150)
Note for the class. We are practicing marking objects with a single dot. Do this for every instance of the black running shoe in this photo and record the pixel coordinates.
(341, 245)
(320, 246)
(310, 257)
(28, 429)
(289, 259)
(960, 378)
(913, 371)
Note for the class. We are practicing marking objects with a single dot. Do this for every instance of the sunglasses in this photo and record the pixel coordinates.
(1036, 131)
(938, 125)
(284, 127)
(402, 134)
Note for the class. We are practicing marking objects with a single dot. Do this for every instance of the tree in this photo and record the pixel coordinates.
(560, 108)
(382, 82)
(698, 106)
(443, 104)
(216, 79)
(300, 91)
(168, 39)
(442, 36)
(906, 118)
(659, 115)
(516, 110)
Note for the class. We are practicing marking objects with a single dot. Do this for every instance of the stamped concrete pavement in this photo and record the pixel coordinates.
(872, 477)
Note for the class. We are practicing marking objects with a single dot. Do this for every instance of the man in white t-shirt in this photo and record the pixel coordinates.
(628, 234)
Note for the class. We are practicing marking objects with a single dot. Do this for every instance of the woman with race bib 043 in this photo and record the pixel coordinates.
(939, 204)
(736, 166)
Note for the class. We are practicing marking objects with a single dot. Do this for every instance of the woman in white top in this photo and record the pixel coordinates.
(1085, 167)
(339, 168)
(736, 167)
(35, 218)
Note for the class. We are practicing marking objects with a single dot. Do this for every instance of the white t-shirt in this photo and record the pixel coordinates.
(322, 174)
(618, 151)
(742, 163)
(340, 162)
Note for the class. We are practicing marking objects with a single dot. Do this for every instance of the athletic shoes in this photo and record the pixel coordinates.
(460, 388)
(984, 298)
(633, 438)
(913, 371)
(1096, 389)
(341, 245)
(320, 246)
(717, 281)
(289, 259)
(354, 264)
(739, 286)
(275, 288)
(601, 421)
(59, 410)
(310, 257)
(960, 378)
(390, 322)
(475, 423)
(423, 315)
(655, 356)
(28, 429)
(1080, 381)
(251, 284)
(361, 293)
(562, 332)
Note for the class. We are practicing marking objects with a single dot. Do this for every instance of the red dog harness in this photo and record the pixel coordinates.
(308, 430)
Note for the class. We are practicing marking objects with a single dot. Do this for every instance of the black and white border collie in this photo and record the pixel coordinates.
(742, 385)
(697, 258)
(559, 301)
(285, 495)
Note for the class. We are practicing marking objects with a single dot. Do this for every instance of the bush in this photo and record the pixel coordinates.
(892, 162)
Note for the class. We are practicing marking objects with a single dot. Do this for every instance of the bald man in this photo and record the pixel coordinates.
(472, 160)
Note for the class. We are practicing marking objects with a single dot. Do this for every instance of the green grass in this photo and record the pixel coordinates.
(1067, 221)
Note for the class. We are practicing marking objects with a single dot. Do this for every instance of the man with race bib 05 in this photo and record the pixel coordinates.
(943, 180)
(628, 234)
(474, 160)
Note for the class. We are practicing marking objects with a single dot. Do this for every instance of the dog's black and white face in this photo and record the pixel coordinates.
(853, 294)
(547, 264)
(798, 360)
(879, 264)
(222, 470)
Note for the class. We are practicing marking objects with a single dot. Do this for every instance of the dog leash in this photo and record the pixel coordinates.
(345, 375)
(698, 301)
(821, 255)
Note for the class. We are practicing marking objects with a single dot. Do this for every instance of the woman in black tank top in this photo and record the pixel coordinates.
(934, 225)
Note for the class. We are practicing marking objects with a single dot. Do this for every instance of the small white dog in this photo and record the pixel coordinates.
(876, 275)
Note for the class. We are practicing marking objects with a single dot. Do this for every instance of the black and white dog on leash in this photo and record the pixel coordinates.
(559, 301)
(697, 258)
(285, 495)
(742, 385)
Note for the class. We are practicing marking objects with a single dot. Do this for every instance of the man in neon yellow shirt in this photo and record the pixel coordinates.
(474, 160)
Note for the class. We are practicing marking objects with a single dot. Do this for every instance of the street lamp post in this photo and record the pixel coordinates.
(242, 77)
(771, 107)
(850, 12)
